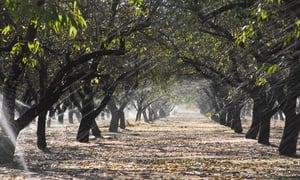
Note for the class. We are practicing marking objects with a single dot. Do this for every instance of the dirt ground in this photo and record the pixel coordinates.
(184, 146)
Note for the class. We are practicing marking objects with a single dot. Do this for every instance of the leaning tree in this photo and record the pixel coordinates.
(66, 19)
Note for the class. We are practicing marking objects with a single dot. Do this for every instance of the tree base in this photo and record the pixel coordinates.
(7, 150)
(238, 131)
(297, 156)
(264, 142)
(250, 135)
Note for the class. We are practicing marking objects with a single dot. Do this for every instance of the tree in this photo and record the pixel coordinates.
(245, 63)
(57, 21)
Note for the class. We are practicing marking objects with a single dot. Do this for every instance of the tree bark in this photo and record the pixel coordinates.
(263, 110)
(138, 114)
(114, 122)
(288, 144)
(60, 114)
(95, 129)
(41, 131)
(150, 114)
(71, 112)
(87, 123)
(223, 116)
(230, 116)
(7, 149)
(50, 116)
(236, 124)
(41, 127)
(264, 125)
(82, 131)
(122, 119)
(146, 119)
(71, 115)
(254, 128)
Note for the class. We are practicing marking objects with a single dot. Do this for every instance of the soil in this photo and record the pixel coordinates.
(183, 146)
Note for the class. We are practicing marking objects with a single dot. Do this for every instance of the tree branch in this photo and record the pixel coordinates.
(227, 7)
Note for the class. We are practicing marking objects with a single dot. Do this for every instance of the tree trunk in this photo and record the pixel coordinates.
(265, 123)
(122, 119)
(8, 136)
(121, 111)
(84, 129)
(7, 149)
(86, 122)
(41, 127)
(50, 116)
(236, 124)
(89, 114)
(264, 130)
(71, 113)
(138, 114)
(9, 98)
(146, 119)
(162, 113)
(223, 116)
(230, 116)
(263, 110)
(288, 144)
(41, 131)
(114, 122)
(9, 94)
(254, 128)
(150, 114)
(95, 129)
(48, 122)
(60, 114)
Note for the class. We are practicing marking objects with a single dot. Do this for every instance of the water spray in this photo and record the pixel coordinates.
(8, 134)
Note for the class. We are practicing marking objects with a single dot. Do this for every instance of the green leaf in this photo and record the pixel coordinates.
(297, 22)
(208, 115)
(189, 37)
(95, 81)
(56, 26)
(88, 50)
(33, 63)
(287, 39)
(136, 2)
(34, 22)
(272, 69)
(33, 46)
(24, 60)
(260, 81)
(30, 46)
(6, 30)
(143, 49)
(74, 5)
(72, 32)
(264, 15)
(82, 22)
(16, 49)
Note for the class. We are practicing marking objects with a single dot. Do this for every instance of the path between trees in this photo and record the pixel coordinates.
(184, 146)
